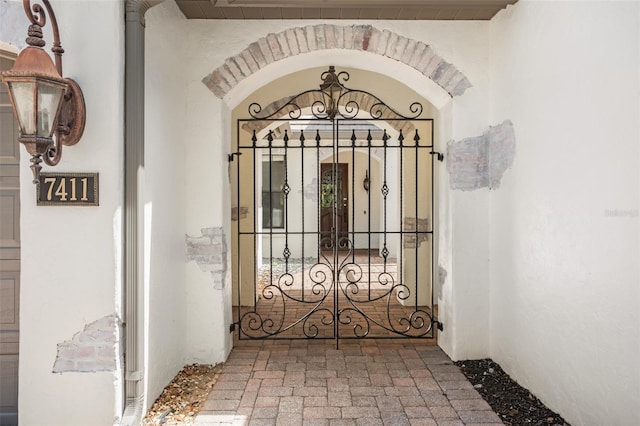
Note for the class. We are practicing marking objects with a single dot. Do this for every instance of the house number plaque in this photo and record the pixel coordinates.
(68, 189)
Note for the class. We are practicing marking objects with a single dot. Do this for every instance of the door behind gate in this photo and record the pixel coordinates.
(335, 236)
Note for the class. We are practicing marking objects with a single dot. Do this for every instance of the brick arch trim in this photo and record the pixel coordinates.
(295, 41)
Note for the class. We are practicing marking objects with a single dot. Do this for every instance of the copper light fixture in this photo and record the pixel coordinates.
(333, 88)
(48, 107)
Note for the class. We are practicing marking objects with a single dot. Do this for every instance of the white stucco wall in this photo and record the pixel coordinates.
(70, 264)
(564, 223)
(164, 196)
(206, 190)
(561, 232)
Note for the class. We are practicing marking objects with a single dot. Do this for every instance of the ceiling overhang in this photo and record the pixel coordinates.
(459, 10)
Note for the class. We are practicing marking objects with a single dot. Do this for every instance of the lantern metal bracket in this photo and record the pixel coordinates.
(35, 66)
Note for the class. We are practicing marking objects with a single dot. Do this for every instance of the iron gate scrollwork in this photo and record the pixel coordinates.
(337, 239)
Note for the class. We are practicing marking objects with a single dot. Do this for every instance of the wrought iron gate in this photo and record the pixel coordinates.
(333, 217)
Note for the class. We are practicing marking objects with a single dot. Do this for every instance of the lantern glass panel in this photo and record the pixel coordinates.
(49, 97)
(22, 94)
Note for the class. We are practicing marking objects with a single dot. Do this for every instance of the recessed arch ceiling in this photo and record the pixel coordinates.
(460, 10)
(393, 93)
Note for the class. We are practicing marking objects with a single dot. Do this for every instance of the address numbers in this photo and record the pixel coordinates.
(68, 189)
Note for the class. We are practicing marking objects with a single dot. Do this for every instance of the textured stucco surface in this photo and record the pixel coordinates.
(70, 259)
(565, 293)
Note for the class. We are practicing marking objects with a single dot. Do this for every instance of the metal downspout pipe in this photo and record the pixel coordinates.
(133, 303)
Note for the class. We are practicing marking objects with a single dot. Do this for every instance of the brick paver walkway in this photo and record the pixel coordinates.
(367, 382)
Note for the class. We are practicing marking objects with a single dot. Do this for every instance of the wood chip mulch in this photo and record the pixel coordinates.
(182, 399)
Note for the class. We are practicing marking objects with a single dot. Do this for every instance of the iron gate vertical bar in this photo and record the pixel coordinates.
(336, 269)
(432, 227)
(238, 263)
(369, 138)
(318, 195)
(400, 266)
(385, 186)
(302, 198)
(270, 145)
(417, 141)
(352, 199)
(285, 189)
(254, 226)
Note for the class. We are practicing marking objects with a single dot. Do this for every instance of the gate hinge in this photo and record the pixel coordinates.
(439, 325)
(233, 154)
(232, 327)
(440, 156)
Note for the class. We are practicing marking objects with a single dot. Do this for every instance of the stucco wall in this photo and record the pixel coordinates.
(164, 196)
(206, 190)
(564, 223)
(70, 264)
(561, 314)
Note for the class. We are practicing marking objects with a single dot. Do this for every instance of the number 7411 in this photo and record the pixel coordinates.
(61, 189)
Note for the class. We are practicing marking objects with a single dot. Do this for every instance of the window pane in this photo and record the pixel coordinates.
(273, 176)
(273, 214)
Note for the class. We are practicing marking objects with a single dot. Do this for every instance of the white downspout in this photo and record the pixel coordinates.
(133, 302)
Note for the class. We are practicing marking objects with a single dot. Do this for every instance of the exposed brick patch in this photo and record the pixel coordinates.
(409, 225)
(294, 41)
(239, 213)
(209, 251)
(480, 161)
(91, 350)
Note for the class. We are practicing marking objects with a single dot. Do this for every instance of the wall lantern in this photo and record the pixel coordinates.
(333, 88)
(48, 107)
(365, 182)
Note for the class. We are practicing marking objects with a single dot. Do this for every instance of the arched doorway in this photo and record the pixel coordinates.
(307, 262)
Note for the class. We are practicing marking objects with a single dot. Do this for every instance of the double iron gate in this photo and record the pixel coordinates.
(334, 207)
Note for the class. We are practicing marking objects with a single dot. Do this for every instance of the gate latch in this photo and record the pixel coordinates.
(233, 154)
(440, 156)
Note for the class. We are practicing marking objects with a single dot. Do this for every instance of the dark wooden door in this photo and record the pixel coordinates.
(334, 205)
